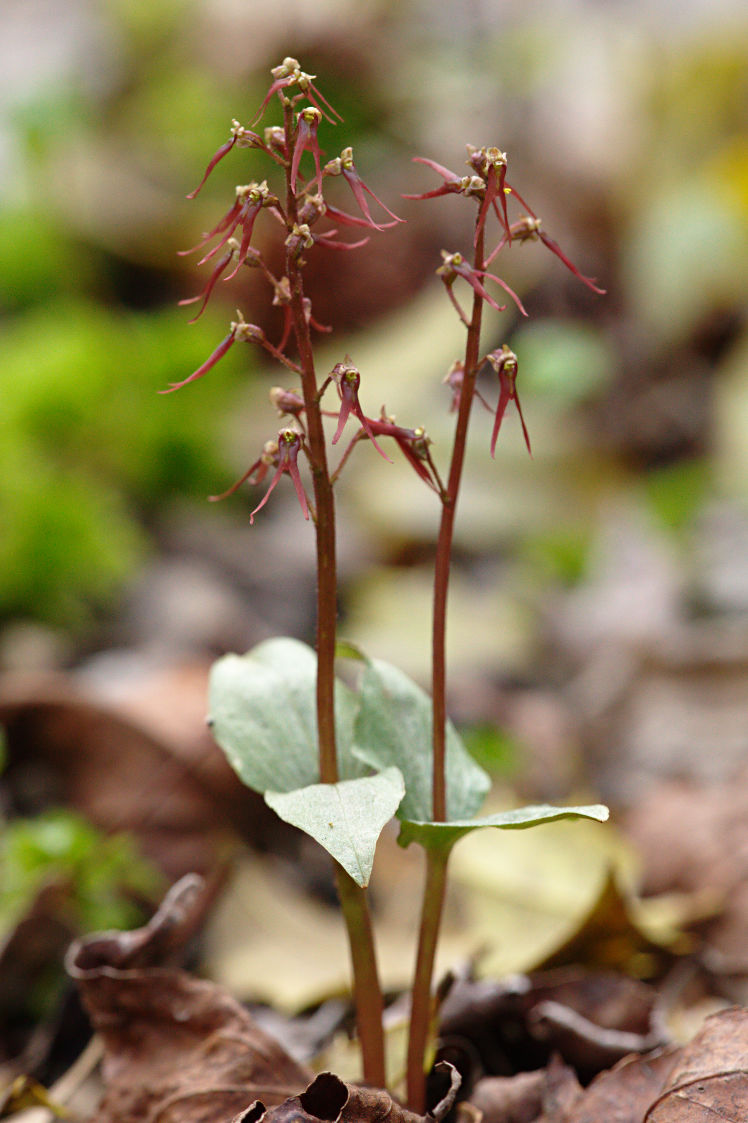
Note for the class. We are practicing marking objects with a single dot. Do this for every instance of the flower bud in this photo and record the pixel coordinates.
(287, 401)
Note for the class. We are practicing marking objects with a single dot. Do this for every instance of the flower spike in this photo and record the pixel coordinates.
(289, 446)
(504, 362)
(348, 379)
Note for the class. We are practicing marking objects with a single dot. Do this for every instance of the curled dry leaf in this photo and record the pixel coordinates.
(591, 1019)
(698, 1083)
(176, 1048)
(331, 1099)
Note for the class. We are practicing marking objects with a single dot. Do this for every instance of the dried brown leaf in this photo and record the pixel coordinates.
(176, 1048)
(710, 1080)
(124, 767)
(510, 1099)
(331, 1099)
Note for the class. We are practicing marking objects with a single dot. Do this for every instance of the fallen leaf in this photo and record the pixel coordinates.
(623, 1094)
(176, 1048)
(710, 1079)
(528, 893)
(510, 1099)
(330, 1098)
(588, 1019)
(122, 766)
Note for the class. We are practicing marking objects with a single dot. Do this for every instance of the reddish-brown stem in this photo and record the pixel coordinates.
(436, 861)
(421, 1011)
(444, 550)
(366, 987)
(323, 500)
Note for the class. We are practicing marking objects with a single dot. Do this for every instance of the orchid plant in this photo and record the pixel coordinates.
(340, 762)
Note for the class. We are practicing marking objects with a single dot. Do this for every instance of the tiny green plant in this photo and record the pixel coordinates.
(335, 761)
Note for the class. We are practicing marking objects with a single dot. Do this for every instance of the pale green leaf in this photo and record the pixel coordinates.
(263, 715)
(393, 727)
(443, 836)
(345, 818)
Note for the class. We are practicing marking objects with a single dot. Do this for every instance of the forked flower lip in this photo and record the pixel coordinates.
(290, 443)
(347, 380)
(344, 165)
(504, 362)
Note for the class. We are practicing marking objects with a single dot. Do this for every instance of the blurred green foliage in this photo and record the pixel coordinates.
(99, 877)
(89, 452)
(492, 749)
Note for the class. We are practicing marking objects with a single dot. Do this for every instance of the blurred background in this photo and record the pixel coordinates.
(599, 626)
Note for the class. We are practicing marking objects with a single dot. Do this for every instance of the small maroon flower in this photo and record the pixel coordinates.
(230, 219)
(240, 330)
(267, 459)
(470, 185)
(209, 363)
(299, 239)
(290, 443)
(311, 209)
(454, 266)
(455, 379)
(343, 165)
(243, 138)
(275, 141)
(504, 362)
(288, 74)
(287, 402)
(347, 378)
(329, 240)
(530, 228)
(346, 219)
(282, 299)
(413, 443)
(490, 164)
(252, 198)
(223, 262)
(307, 123)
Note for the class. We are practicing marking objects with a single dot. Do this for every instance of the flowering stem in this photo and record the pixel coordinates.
(420, 1012)
(436, 862)
(366, 986)
(444, 548)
